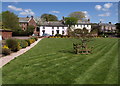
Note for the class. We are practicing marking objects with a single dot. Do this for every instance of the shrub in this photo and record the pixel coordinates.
(32, 41)
(6, 51)
(34, 38)
(23, 43)
(28, 41)
(13, 44)
(58, 35)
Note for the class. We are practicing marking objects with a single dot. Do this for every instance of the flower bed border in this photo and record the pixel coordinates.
(8, 58)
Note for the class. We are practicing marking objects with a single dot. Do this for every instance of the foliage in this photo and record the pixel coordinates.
(81, 32)
(28, 41)
(30, 30)
(10, 20)
(70, 21)
(49, 17)
(13, 44)
(6, 51)
(34, 38)
(118, 29)
(58, 35)
(79, 15)
(32, 41)
(5, 46)
(23, 43)
(20, 32)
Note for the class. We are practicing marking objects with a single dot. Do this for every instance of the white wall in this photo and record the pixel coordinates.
(88, 27)
(48, 30)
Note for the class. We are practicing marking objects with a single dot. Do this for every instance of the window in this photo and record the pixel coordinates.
(52, 32)
(57, 27)
(43, 32)
(62, 27)
(43, 27)
(52, 27)
(63, 32)
(57, 31)
(38, 29)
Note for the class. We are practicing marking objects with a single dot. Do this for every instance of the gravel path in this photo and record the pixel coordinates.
(6, 59)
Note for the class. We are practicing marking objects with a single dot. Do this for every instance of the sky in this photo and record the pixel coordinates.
(95, 11)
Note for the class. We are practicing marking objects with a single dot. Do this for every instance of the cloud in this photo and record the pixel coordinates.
(86, 14)
(105, 14)
(27, 12)
(23, 11)
(14, 8)
(98, 7)
(108, 5)
(54, 11)
(105, 7)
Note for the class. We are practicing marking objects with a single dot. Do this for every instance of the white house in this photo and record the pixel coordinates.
(83, 24)
(58, 27)
(107, 27)
(53, 28)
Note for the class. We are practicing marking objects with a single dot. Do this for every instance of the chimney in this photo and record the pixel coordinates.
(63, 17)
(27, 17)
(32, 17)
(110, 23)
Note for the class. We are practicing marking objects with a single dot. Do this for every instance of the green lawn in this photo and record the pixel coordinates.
(52, 61)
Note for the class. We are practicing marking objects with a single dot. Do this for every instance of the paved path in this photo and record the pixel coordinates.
(6, 59)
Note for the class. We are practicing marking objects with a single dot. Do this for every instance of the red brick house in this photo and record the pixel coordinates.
(5, 33)
(26, 21)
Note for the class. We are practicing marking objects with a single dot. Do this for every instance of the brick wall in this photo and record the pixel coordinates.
(6, 35)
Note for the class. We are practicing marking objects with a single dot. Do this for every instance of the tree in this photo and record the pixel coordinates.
(49, 17)
(30, 30)
(10, 20)
(70, 21)
(118, 29)
(79, 15)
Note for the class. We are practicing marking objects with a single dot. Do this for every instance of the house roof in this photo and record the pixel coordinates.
(23, 19)
(107, 24)
(52, 23)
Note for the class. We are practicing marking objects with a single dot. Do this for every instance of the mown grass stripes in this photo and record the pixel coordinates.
(52, 61)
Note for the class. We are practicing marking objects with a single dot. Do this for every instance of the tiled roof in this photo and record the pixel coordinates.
(22, 19)
(107, 24)
(52, 23)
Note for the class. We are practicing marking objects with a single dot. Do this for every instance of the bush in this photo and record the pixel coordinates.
(58, 35)
(13, 44)
(34, 38)
(28, 41)
(6, 50)
(23, 43)
(32, 41)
